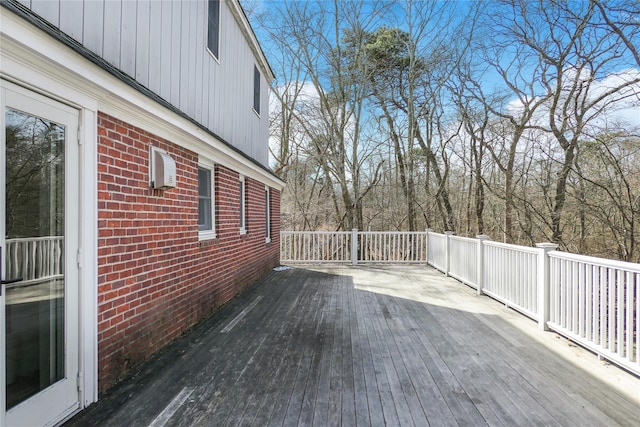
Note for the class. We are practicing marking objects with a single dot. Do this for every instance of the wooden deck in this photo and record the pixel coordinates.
(349, 346)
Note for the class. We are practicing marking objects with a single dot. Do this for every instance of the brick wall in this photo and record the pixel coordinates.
(155, 278)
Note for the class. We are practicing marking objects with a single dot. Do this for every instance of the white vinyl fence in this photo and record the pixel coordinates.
(596, 302)
(592, 301)
(315, 246)
(511, 275)
(462, 264)
(438, 250)
(392, 247)
(353, 246)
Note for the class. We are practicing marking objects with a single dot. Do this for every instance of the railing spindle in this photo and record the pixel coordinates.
(620, 311)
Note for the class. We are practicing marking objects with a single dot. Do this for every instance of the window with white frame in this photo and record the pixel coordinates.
(243, 205)
(206, 202)
(267, 214)
(213, 28)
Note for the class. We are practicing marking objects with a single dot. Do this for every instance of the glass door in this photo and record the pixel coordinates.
(38, 240)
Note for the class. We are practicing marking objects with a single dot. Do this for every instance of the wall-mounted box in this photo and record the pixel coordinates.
(162, 172)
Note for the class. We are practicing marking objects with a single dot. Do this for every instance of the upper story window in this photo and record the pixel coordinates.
(206, 203)
(243, 206)
(213, 38)
(256, 89)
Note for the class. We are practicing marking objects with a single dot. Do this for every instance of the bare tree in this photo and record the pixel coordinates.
(608, 183)
(386, 119)
(313, 35)
(561, 52)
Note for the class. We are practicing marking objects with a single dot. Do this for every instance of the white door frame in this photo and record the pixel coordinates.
(34, 60)
(34, 103)
(61, 88)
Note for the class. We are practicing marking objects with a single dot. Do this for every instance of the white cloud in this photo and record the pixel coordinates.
(622, 107)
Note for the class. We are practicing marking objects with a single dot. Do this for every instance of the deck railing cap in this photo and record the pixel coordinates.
(547, 246)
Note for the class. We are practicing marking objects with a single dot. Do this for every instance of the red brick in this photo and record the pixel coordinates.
(151, 292)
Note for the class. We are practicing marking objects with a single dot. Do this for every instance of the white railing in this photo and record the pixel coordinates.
(353, 246)
(463, 265)
(315, 246)
(392, 247)
(437, 250)
(33, 259)
(592, 301)
(511, 276)
(596, 302)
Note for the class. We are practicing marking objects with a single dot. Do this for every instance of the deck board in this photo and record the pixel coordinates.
(338, 345)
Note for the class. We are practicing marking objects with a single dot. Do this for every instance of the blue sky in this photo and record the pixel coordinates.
(395, 16)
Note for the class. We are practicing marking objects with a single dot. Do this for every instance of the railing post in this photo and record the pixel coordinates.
(427, 246)
(480, 260)
(544, 283)
(447, 264)
(354, 246)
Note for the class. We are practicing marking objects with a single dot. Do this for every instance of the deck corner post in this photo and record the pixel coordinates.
(480, 261)
(428, 252)
(354, 246)
(544, 283)
(447, 265)
(428, 230)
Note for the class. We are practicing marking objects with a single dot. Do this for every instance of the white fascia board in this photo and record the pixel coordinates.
(41, 54)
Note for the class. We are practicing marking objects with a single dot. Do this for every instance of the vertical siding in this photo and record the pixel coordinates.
(174, 58)
(162, 44)
(155, 45)
(206, 67)
(200, 46)
(47, 9)
(184, 58)
(93, 26)
(215, 98)
(165, 49)
(111, 32)
(194, 53)
(128, 36)
(143, 42)
(71, 18)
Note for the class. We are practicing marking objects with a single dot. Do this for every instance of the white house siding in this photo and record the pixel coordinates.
(162, 44)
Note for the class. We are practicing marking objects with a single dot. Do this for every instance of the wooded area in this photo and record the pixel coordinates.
(516, 119)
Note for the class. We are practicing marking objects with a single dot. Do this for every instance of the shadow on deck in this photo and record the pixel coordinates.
(337, 345)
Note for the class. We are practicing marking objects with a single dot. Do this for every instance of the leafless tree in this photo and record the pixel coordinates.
(394, 116)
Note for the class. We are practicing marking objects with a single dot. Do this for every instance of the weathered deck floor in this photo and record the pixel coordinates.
(370, 346)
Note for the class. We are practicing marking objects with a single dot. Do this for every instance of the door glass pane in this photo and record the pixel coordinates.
(34, 255)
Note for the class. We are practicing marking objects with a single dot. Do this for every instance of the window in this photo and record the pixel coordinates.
(213, 38)
(243, 207)
(256, 89)
(267, 215)
(206, 205)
